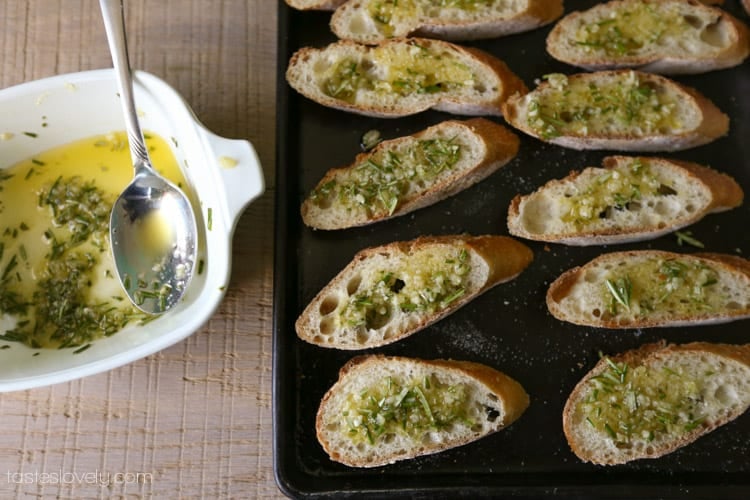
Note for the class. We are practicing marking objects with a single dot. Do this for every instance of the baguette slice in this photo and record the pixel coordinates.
(372, 21)
(620, 110)
(408, 173)
(667, 396)
(392, 291)
(652, 288)
(314, 4)
(629, 199)
(402, 77)
(422, 407)
(659, 36)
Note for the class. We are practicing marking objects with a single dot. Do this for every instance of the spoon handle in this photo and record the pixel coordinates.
(114, 25)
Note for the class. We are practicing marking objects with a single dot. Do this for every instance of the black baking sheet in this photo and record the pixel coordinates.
(507, 328)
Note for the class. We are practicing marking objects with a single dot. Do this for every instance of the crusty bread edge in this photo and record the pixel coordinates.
(514, 398)
(560, 288)
(641, 356)
(500, 147)
(506, 259)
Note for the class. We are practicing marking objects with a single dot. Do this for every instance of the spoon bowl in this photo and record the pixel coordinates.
(153, 242)
(152, 226)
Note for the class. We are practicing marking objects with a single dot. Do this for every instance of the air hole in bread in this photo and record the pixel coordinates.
(363, 335)
(693, 21)
(596, 312)
(388, 333)
(353, 285)
(397, 285)
(690, 208)
(327, 326)
(332, 426)
(480, 88)
(492, 413)
(715, 34)
(660, 208)
(633, 206)
(324, 202)
(726, 395)
(328, 305)
(665, 190)
(378, 319)
(733, 305)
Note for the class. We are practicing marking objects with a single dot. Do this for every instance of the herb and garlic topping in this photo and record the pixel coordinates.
(424, 282)
(646, 404)
(378, 185)
(579, 106)
(679, 286)
(619, 188)
(408, 406)
(400, 69)
(58, 288)
(635, 27)
(390, 13)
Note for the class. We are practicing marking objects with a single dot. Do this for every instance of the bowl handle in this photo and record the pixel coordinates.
(239, 170)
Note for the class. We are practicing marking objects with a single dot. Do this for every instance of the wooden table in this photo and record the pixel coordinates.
(195, 419)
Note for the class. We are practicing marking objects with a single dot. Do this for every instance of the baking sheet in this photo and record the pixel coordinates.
(507, 328)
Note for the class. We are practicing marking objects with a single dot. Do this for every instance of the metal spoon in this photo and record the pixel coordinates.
(152, 225)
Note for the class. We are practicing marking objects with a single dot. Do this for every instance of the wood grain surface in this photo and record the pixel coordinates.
(193, 421)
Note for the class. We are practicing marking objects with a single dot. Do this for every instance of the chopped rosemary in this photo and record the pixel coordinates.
(621, 290)
(687, 237)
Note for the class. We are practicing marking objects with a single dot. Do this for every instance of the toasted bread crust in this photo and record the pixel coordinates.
(711, 125)
(486, 22)
(650, 355)
(498, 146)
(504, 258)
(300, 75)
(511, 398)
(721, 193)
(564, 285)
(658, 59)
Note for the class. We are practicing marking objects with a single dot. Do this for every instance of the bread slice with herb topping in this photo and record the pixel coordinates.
(314, 4)
(372, 21)
(650, 401)
(389, 292)
(404, 174)
(628, 199)
(619, 110)
(402, 77)
(384, 409)
(659, 36)
(653, 288)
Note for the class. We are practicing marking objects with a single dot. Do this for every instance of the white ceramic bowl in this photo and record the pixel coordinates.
(80, 105)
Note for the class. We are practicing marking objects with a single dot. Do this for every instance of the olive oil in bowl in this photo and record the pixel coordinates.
(57, 280)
